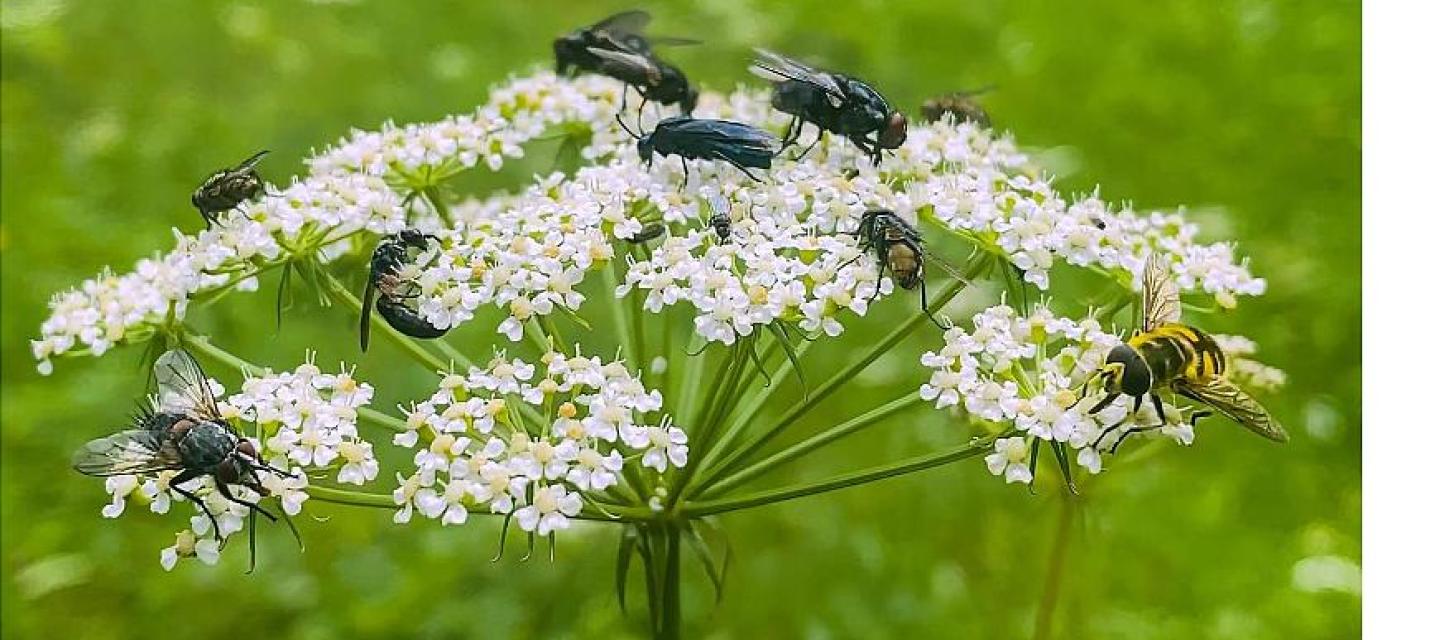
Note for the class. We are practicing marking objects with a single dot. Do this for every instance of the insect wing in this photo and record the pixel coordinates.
(671, 41)
(183, 388)
(953, 272)
(1224, 396)
(623, 65)
(625, 22)
(132, 451)
(1161, 297)
(773, 66)
(250, 163)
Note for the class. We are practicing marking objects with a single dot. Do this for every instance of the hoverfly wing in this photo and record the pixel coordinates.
(626, 22)
(1231, 401)
(1161, 297)
(773, 66)
(183, 387)
(626, 64)
(132, 451)
(250, 163)
(953, 272)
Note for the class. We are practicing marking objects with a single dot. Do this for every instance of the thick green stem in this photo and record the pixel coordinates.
(670, 599)
(839, 379)
(1052, 583)
(697, 509)
(874, 416)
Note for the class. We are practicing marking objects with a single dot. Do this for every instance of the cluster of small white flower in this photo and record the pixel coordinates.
(1025, 373)
(528, 252)
(308, 422)
(540, 464)
(1243, 369)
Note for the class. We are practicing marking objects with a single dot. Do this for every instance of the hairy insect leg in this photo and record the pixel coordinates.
(640, 110)
(185, 476)
(792, 133)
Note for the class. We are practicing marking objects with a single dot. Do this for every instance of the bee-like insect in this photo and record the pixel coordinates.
(226, 188)
(720, 217)
(182, 431)
(898, 247)
(962, 104)
(841, 104)
(698, 139)
(1167, 355)
(389, 289)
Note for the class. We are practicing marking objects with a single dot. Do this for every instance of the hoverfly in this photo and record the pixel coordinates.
(698, 139)
(841, 104)
(226, 188)
(962, 104)
(1165, 354)
(389, 288)
(898, 247)
(621, 31)
(183, 431)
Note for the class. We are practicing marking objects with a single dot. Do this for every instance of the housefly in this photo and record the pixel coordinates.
(834, 102)
(226, 188)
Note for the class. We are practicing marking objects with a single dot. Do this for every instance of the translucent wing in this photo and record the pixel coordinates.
(953, 271)
(672, 41)
(183, 388)
(1161, 297)
(132, 451)
(1228, 399)
(773, 66)
(625, 64)
(633, 21)
(250, 163)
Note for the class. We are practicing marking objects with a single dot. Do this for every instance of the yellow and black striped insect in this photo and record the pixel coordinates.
(1168, 355)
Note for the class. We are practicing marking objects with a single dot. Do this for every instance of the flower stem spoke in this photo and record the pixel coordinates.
(854, 425)
(838, 379)
(434, 196)
(620, 311)
(737, 428)
(978, 447)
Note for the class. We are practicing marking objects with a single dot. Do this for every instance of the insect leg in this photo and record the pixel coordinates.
(1157, 405)
(924, 296)
(223, 491)
(685, 171)
(1129, 432)
(1106, 400)
(186, 476)
(818, 136)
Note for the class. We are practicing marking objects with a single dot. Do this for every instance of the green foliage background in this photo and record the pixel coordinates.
(1247, 111)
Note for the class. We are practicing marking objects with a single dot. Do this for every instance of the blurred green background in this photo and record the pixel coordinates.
(1248, 112)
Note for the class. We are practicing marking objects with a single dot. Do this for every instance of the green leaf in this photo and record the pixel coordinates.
(1060, 450)
(707, 556)
(629, 537)
(782, 337)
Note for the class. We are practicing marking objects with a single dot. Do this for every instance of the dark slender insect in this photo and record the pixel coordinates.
(183, 431)
(963, 105)
(737, 143)
(1168, 355)
(647, 233)
(227, 188)
(389, 290)
(720, 217)
(653, 78)
(834, 102)
(897, 246)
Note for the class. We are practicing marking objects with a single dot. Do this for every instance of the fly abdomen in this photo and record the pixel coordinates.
(1180, 352)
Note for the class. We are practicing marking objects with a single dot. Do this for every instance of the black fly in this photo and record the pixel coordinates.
(652, 78)
(737, 143)
(720, 217)
(834, 102)
(226, 188)
(962, 104)
(647, 233)
(623, 30)
(389, 289)
(184, 432)
(617, 47)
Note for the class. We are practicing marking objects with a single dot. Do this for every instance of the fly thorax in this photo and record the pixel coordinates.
(206, 444)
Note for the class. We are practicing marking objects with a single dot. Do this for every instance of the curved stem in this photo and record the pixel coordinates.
(1052, 583)
(704, 508)
(873, 416)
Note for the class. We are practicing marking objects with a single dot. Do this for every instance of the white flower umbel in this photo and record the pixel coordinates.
(538, 441)
(307, 424)
(529, 253)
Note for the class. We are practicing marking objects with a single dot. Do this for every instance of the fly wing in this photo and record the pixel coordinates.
(250, 163)
(183, 387)
(672, 41)
(625, 22)
(725, 133)
(775, 67)
(627, 64)
(1161, 297)
(1228, 399)
(132, 451)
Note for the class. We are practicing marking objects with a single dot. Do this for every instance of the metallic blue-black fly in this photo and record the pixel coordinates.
(834, 102)
(183, 431)
(389, 287)
(736, 143)
(618, 47)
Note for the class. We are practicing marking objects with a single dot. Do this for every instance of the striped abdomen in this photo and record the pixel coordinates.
(1177, 351)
